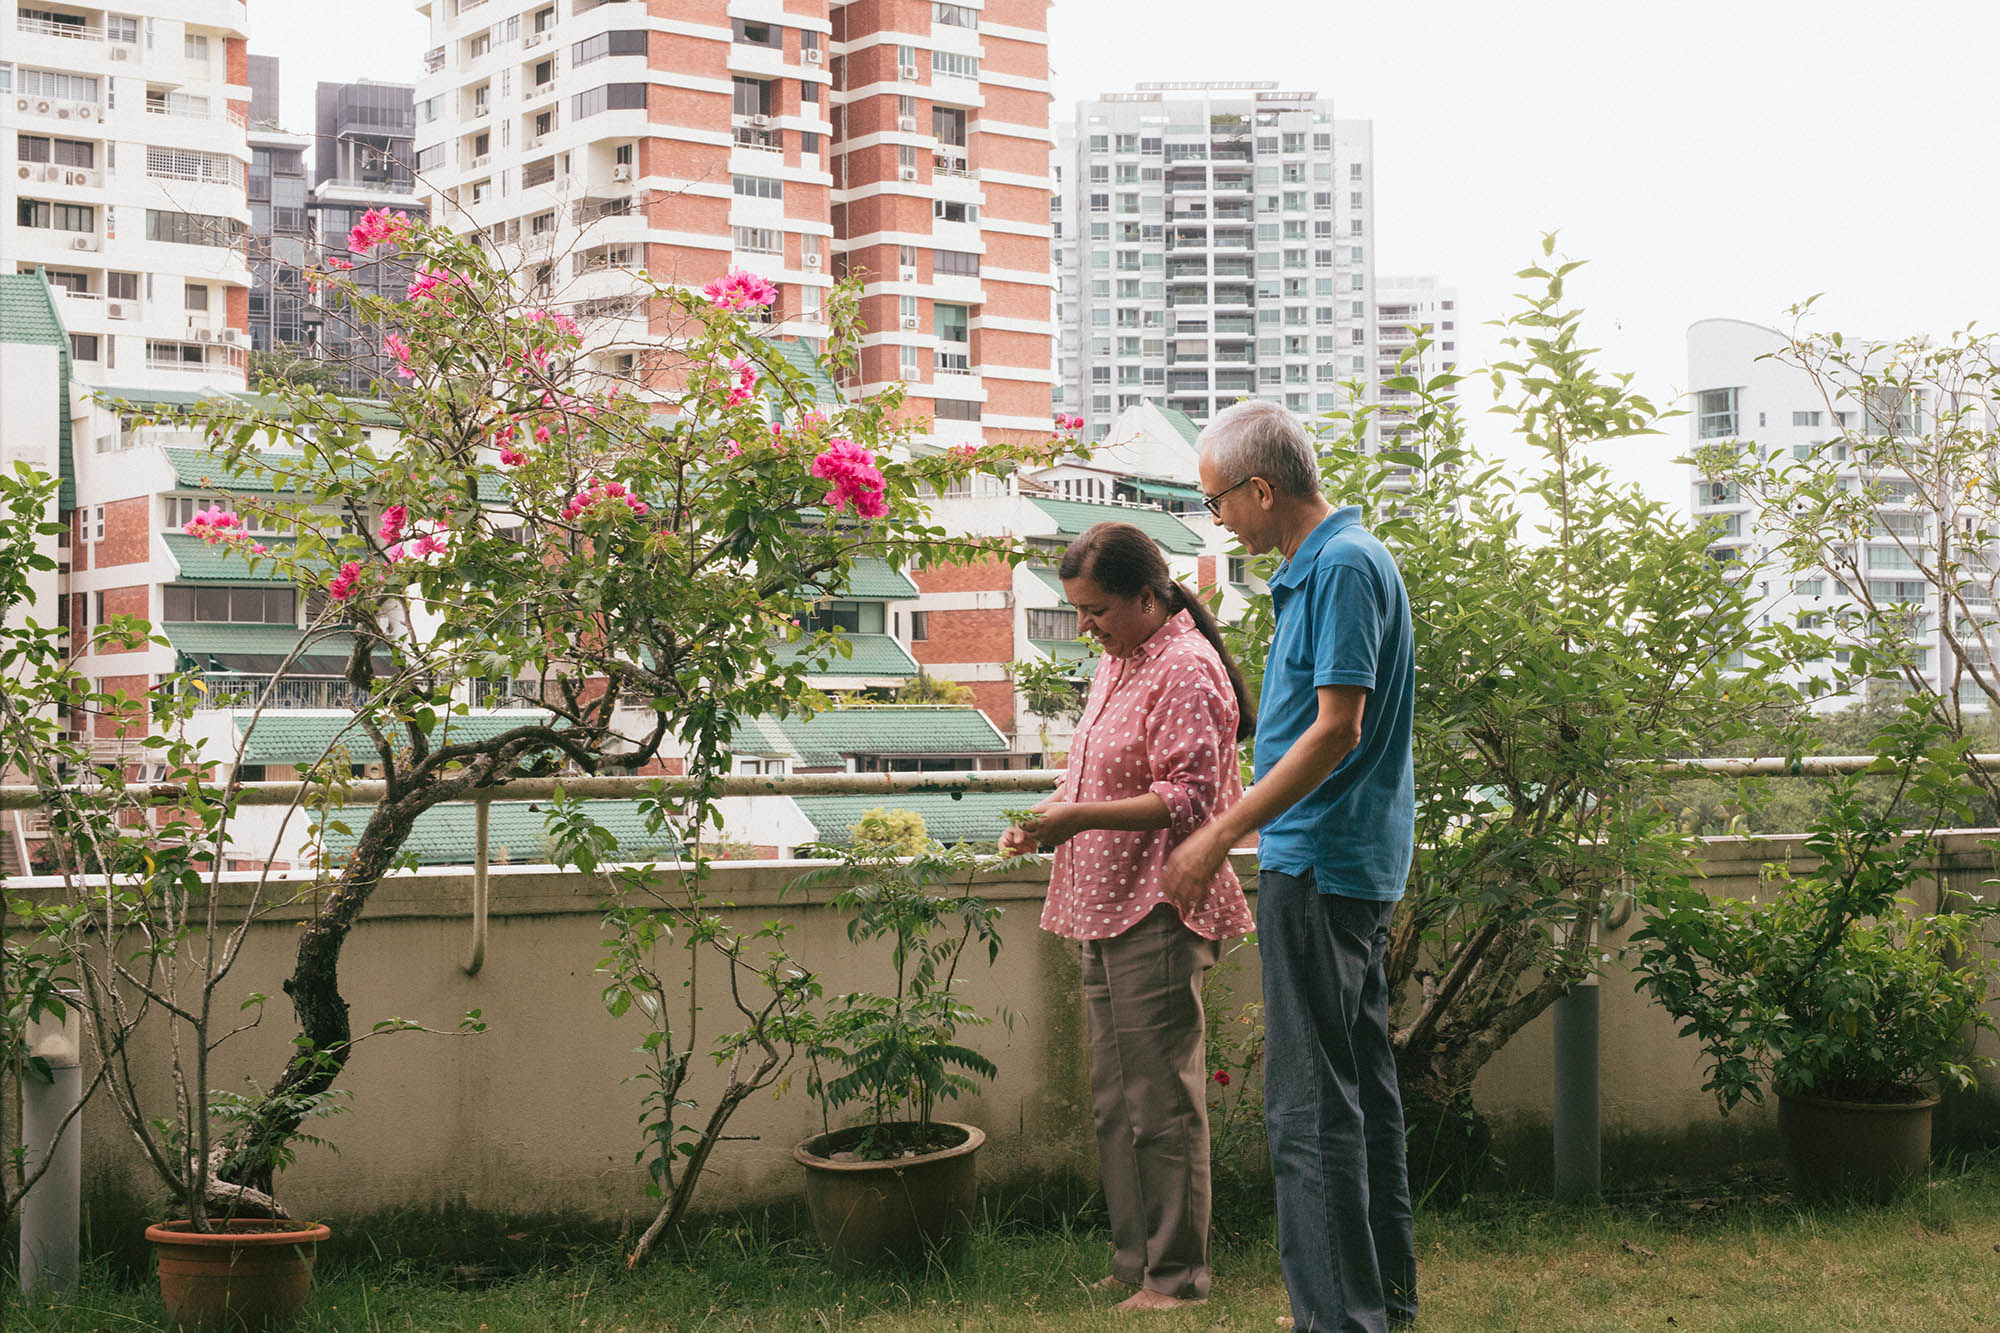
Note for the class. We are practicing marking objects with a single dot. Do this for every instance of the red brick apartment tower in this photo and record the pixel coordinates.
(941, 206)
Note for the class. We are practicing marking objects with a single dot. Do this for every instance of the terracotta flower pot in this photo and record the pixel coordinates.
(253, 1275)
(1844, 1150)
(899, 1210)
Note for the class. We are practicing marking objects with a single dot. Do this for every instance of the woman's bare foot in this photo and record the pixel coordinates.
(1148, 1300)
(1111, 1282)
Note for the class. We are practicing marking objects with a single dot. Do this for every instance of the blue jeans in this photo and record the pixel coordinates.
(1333, 1111)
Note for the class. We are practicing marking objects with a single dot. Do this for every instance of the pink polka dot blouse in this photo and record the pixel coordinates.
(1162, 721)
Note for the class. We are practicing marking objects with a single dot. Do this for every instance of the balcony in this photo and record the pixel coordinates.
(75, 32)
(185, 111)
(760, 137)
(945, 164)
(229, 690)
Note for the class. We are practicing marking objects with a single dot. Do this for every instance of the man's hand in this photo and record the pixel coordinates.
(1191, 868)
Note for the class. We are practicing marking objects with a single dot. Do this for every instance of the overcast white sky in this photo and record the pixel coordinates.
(1708, 157)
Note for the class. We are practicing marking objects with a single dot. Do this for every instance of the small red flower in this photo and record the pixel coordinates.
(1222, 1077)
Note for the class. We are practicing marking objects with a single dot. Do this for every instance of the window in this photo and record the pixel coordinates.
(757, 187)
(759, 240)
(920, 626)
(947, 211)
(121, 286)
(956, 263)
(754, 32)
(954, 16)
(750, 97)
(57, 217)
(186, 164)
(238, 606)
(56, 152)
(954, 65)
(83, 346)
(121, 28)
(1716, 414)
(848, 617)
(53, 84)
(952, 409)
(951, 323)
(610, 97)
(194, 296)
(1806, 418)
(1057, 624)
(623, 43)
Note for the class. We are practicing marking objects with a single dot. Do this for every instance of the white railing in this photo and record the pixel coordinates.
(75, 32)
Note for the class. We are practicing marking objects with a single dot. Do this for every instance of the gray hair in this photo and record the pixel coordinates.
(1262, 439)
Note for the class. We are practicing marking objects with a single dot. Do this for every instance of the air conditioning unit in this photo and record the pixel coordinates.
(84, 243)
(907, 124)
(121, 53)
(909, 321)
(77, 178)
(906, 274)
(26, 173)
(621, 173)
(203, 335)
(64, 112)
(233, 337)
(85, 111)
(118, 309)
(535, 141)
(810, 317)
(760, 122)
(908, 73)
(812, 55)
(533, 40)
(811, 261)
(906, 173)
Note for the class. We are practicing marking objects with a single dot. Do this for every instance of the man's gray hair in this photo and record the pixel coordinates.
(1261, 439)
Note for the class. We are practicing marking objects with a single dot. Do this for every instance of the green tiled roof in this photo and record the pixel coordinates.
(1166, 490)
(874, 577)
(1074, 517)
(1179, 420)
(28, 315)
(972, 817)
(156, 398)
(217, 646)
(1070, 650)
(800, 355)
(762, 735)
(304, 738)
(1048, 576)
(874, 655)
(515, 833)
(826, 739)
(201, 563)
(200, 470)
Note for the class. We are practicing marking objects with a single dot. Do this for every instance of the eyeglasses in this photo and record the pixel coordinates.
(1212, 503)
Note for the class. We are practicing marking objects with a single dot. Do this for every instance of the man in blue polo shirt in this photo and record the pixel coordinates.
(1334, 801)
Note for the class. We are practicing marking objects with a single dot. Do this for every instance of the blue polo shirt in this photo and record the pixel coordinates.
(1343, 618)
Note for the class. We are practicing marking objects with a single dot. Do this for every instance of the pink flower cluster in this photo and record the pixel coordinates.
(393, 519)
(600, 492)
(504, 436)
(1067, 422)
(215, 524)
(431, 543)
(965, 453)
(343, 583)
(856, 480)
(739, 289)
(378, 226)
(394, 345)
(556, 320)
(428, 280)
(746, 380)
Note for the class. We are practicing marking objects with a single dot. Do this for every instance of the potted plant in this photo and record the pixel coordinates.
(1832, 986)
(898, 1183)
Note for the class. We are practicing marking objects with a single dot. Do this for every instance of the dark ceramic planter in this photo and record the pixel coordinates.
(1838, 1150)
(898, 1211)
(253, 1274)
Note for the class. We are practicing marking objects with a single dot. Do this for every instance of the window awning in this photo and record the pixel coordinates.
(1166, 490)
(257, 650)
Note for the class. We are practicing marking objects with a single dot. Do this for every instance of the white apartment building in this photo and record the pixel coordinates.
(1737, 393)
(1217, 244)
(126, 137)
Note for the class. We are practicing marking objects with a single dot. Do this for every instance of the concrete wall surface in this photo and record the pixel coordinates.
(540, 1112)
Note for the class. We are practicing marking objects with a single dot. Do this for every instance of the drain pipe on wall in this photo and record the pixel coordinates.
(1578, 1146)
(52, 1132)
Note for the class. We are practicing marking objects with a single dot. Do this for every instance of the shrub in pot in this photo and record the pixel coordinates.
(1833, 987)
(897, 1183)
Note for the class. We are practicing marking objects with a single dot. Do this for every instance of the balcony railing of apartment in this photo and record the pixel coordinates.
(231, 115)
(434, 60)
(75, 32)
(943, 165)
(228, 690)
(953, 363)
(753, 136)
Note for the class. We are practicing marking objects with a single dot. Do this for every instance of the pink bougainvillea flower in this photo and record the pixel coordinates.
(336, 263)
(215, 524)
(746, 380)
(965, 452)
(855, 477)
(427, 282)
(258, 548)
(1066, 422)
(343, 583)
(378, 226)
(395, 552)
(510, 457)
(393, 519)
(739, 289)
(732, 450)
(606, 494)
(394, 345)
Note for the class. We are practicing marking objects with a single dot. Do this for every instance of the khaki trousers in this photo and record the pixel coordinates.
(1148, 1083)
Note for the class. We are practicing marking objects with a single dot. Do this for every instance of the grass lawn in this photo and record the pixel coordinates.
(1737, 1255)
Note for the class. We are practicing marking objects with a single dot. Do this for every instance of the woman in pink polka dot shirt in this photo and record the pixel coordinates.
(1153, 759)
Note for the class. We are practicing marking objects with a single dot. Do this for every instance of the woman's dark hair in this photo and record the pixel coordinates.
(1125, 562)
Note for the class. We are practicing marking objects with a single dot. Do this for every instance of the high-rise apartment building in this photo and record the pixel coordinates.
(1739, 392)
(1407, 309)
(279, 226)
(129, 146)
(364, 151)
(1216, 244)
(902, 143)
